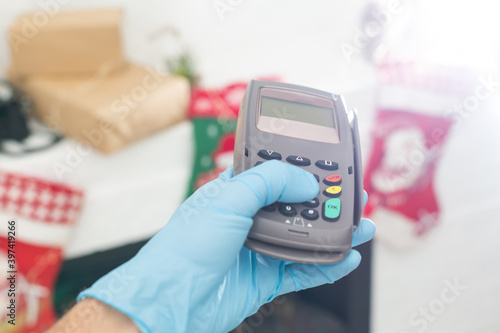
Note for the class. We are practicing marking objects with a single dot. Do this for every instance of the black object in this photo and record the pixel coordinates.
(311, 203)
(269, 154)
(342, 307)
(298, 160)
(80, 273)
(13, 120)
(287, 210)
(350, 297)
(327, 165)
(14, 106)
(310, 214)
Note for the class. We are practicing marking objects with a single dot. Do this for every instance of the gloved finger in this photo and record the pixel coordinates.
(272, 181)
(365, 232)
(227, 174)
(303, 276)
(365, 198)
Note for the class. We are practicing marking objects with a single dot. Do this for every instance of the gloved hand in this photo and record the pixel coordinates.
(195, 275)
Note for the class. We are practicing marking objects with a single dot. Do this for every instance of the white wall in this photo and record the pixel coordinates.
(296, 39)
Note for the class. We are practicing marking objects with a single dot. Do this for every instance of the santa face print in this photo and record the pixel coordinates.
(404, 161)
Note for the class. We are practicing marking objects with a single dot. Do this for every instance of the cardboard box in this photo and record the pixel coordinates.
(108, 111)
(69, 42)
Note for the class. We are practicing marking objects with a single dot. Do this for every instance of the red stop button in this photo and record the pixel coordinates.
(333, 180)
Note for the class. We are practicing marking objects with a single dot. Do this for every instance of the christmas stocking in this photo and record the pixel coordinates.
(37, 218)
(410, 128)
(400, 171)
(214, 114)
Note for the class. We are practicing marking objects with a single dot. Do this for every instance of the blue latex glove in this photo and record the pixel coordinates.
(195, 275)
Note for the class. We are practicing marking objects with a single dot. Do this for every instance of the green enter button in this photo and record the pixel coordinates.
(331, 209)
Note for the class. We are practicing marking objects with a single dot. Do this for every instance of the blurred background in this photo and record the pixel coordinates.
(113, 112)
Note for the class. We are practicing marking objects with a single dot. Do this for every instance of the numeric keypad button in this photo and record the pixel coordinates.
(298, 160)
(287, 209)
(269, 154)
(310, 214)
(333, 191)
(331, 210)
(311, 203)
(333, 180)
(327, 165)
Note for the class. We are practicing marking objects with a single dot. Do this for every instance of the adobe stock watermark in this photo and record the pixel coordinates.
(222, 7)
(427, 148)
(278, 123)
(427, 314)
(31, 27)
(119, 110)
(382, 18)
(257, 320)
(486, 88)
(203, 197)
(88, 312)
(117, 281)
(323, 251)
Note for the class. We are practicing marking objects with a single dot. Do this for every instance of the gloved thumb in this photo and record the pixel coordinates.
(269, 182)
(220, 213)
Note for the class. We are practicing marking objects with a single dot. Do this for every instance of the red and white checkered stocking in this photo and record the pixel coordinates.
(44, 215)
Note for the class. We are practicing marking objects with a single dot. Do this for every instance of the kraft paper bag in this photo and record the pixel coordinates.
(108, 110)
(46, 42)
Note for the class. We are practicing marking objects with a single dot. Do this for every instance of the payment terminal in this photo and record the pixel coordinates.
(311, 129)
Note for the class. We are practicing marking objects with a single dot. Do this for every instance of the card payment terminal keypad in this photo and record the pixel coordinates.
(330, 209)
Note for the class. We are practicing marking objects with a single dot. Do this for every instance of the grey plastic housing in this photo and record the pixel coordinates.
(273, 234)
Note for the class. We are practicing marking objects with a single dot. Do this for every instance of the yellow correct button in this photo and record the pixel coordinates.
(333, 191)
